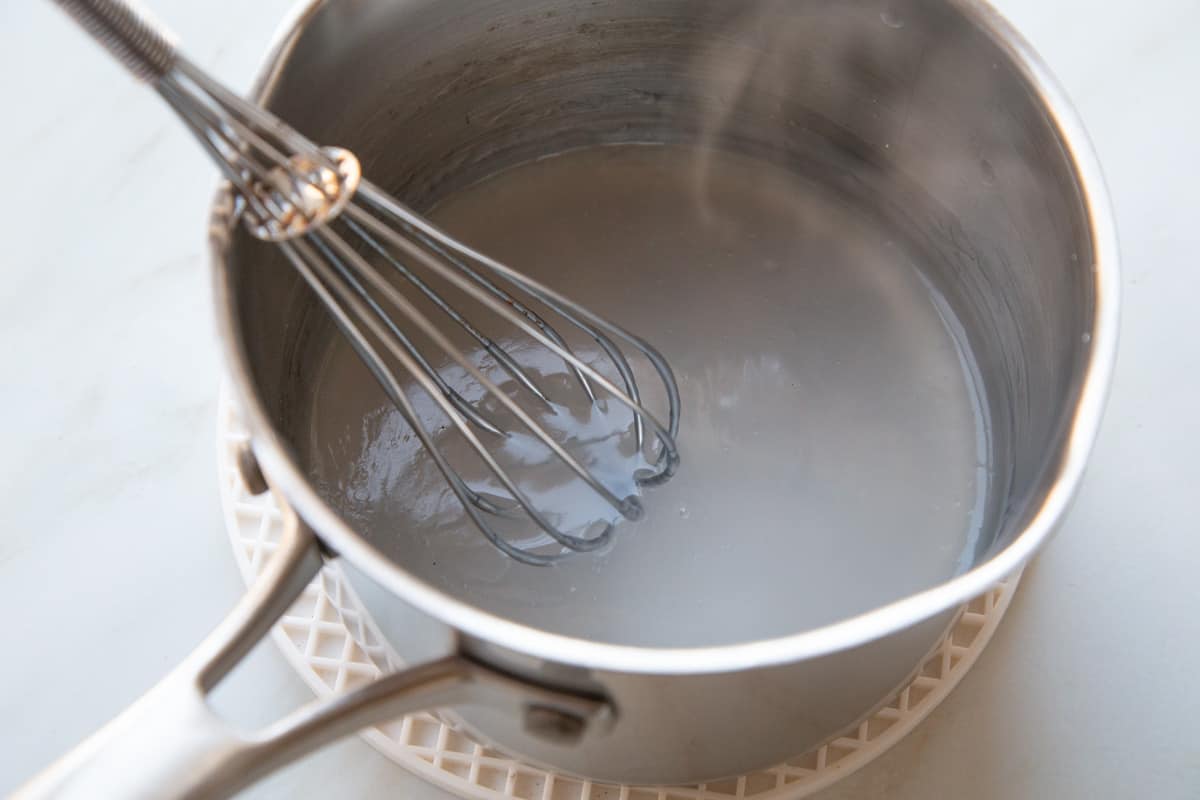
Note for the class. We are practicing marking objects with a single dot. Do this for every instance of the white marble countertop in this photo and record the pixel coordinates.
(113, 562)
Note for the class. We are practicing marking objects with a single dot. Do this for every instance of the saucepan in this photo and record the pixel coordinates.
(933, 112)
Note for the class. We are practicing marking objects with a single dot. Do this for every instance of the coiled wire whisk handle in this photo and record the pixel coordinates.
(143, 45)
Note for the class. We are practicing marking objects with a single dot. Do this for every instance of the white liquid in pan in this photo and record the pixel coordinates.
(834, 456)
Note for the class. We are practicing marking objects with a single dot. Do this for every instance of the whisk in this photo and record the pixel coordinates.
(314, 204)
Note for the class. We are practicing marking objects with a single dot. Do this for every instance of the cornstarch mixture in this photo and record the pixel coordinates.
(834, 444)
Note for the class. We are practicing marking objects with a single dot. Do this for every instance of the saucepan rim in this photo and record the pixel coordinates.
(289, 479)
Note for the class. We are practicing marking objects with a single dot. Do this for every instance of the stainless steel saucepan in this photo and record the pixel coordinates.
(933, 112)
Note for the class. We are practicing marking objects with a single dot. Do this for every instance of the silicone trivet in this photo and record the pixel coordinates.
(331, 641)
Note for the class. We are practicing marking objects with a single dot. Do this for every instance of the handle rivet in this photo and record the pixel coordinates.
(554, 724)
(251, 473)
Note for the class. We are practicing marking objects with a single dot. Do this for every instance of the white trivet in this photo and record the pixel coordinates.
(331, 641)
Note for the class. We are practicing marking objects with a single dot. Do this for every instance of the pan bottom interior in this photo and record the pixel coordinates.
(834, 436)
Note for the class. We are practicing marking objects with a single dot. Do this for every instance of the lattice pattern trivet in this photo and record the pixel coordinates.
(331, 641)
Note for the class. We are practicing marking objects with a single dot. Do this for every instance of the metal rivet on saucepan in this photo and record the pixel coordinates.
(248, 468)
(554, 724)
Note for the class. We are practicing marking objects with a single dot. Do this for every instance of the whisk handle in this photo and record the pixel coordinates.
(144, 46)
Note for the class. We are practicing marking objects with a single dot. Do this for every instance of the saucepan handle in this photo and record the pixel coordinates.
(170, 743)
